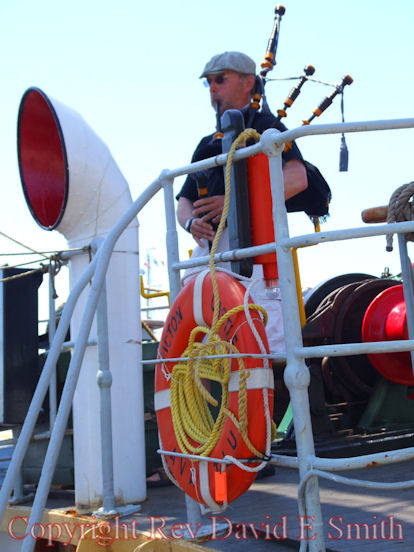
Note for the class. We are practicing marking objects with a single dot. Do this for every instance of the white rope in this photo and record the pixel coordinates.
(264, 390)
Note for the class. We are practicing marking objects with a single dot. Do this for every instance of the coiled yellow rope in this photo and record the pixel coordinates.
(191, 415)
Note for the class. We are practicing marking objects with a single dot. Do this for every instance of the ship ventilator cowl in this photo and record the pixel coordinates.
(72, 184)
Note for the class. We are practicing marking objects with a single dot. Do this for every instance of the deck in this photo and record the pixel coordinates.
(385, 519)
(381, 521)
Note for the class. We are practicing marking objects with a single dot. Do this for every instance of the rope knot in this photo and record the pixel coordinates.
(401, 209)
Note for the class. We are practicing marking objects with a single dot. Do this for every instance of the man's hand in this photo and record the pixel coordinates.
(201, 230)
(210, 207)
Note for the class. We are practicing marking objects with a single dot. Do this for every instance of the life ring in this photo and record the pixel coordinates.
(194, 306)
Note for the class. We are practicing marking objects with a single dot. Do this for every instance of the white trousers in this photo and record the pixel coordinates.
(260, 295)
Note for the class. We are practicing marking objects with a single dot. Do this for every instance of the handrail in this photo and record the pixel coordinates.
(102, 261)
(152, 293)
(273, 137)
(301, 241)
(271, 143)
(41, 389)
(348, 234)
(96, 271)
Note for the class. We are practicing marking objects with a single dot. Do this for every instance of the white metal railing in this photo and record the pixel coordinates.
(296, 373)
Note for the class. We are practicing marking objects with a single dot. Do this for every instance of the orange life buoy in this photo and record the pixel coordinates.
(194, 306)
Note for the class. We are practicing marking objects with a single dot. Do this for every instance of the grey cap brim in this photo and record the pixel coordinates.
(229, 61)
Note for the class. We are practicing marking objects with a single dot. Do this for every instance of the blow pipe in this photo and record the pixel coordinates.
(294, 93)
(317, 112)
(267, 65)
(270, 56)
(321, 108)
(219, 133)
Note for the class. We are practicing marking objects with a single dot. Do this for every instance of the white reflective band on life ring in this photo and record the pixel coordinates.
(205, 486)
(259, 378)
(198, 298)
(162, 400)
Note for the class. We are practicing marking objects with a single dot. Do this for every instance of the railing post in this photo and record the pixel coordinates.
(19, 496)
(171, 238)
(192, 507)
(51, 335)
(296, 375)
(408, 286)
(40, 392)
(104, 381)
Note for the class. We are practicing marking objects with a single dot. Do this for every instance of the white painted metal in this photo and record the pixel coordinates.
(349, 234)
(51, 334)
(297, 376)
(171, 235)
(2, 345)
(34, 409)
(407, 276)
(98, 196)
(96, 271)
(296, 373)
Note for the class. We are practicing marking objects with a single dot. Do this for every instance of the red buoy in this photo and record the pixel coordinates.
(386, 320)
(261, 214)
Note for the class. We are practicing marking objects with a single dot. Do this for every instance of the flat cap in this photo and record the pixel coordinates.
(230, 61)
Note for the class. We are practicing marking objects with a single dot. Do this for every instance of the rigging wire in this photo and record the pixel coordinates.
(23, 245)
(297, 78)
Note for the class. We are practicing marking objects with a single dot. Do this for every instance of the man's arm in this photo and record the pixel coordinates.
(295, 181)
(294, 178)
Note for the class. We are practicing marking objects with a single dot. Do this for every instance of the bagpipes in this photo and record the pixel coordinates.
(248, 223)
(314, 201)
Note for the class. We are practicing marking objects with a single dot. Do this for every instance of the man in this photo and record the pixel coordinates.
(231, 79)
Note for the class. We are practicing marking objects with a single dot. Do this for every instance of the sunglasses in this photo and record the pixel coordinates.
(220, 79)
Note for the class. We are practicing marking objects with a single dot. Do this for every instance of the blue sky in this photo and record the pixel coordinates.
(131, 70)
